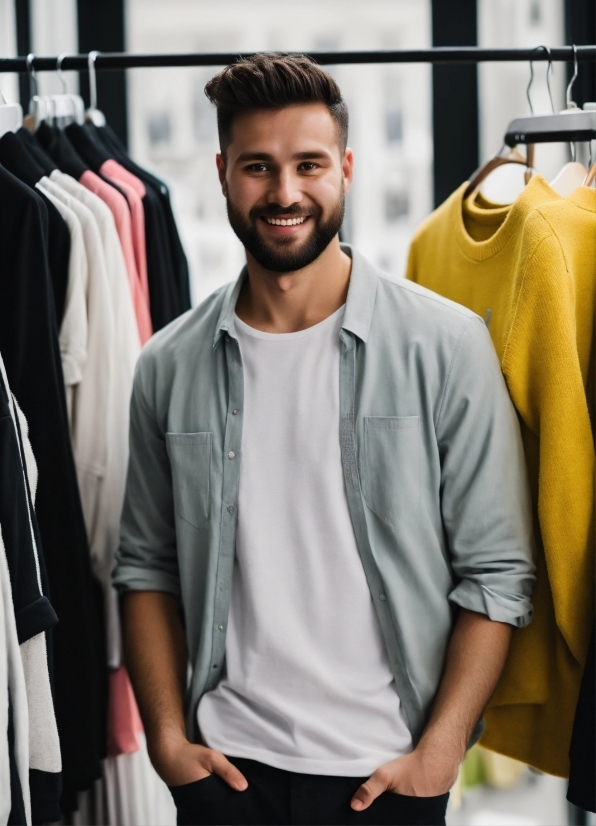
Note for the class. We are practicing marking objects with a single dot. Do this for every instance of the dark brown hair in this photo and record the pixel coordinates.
(272, 81)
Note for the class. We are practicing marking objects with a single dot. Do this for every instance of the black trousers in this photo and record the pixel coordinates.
(278, 797)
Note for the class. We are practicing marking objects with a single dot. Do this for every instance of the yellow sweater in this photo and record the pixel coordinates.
(530, 271)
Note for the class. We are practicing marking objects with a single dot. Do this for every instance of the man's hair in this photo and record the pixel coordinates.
(273, 81)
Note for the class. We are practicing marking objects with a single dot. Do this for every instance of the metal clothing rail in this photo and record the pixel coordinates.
(448, 54)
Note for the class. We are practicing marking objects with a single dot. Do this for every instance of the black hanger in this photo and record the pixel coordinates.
(563, 127)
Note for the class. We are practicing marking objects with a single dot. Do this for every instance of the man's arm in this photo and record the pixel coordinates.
(475, 659)
(157, 659)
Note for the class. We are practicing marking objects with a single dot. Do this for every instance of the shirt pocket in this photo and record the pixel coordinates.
(190, 460)
(391, 473)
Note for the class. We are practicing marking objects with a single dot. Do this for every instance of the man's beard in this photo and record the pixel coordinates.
(284, 254)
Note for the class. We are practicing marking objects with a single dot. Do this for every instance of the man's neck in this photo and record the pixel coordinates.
(289, 302)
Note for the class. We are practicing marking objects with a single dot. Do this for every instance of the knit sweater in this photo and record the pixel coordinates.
(530, 271)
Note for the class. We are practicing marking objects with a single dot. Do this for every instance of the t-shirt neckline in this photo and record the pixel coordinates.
(252, 332)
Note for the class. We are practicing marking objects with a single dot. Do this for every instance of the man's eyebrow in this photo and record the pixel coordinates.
(305, 156)
(264, 156)
(254, 156)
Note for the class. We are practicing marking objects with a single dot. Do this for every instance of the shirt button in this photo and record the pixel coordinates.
(235, 412)
(230, 508)
(231, 455)
(382, 597)
(220, 627)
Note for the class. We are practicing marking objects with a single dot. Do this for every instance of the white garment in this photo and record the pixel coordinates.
(18, 694)
(73, 330)
(127, 346)
(91, 397)
(307, 685)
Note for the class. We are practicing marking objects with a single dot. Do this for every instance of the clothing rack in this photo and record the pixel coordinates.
(448, 54)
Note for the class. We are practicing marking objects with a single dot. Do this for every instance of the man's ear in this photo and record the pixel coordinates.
(221, 172)
(347, 168)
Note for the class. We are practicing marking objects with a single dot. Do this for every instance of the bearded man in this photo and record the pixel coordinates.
(326, 538)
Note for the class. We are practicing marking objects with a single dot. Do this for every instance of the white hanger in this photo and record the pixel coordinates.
(11, 116)
(572, 174)
(504, 177)
(68, 108)
(93, 114)
(38, 106)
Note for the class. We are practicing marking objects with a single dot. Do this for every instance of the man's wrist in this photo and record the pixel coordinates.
(166, 740)
(442, 745)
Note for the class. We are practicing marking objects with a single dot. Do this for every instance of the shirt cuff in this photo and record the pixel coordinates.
(514, 609)
(131, 578)
(35, 618)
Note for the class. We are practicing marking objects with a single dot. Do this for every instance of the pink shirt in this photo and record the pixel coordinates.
(122, 216)
(124, 720)
(134, 189)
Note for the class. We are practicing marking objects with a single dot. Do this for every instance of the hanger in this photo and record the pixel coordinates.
(38, 107)
(513, 156)
(67, 108)
(569, 126)
(11, 116)
(93, 115)
(572, 174)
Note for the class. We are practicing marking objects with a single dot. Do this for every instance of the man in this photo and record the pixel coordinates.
(326, 507)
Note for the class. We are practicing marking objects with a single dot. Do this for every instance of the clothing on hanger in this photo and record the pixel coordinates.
(55, 142)
(165, 301)
(45, 761)
(29, 346)
(55, 232)
(73, 332)
(528, 270)
(181, 301)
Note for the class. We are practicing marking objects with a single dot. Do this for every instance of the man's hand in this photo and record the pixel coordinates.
(475, 659)
(419, 774)
(157, 660)
(179, 762)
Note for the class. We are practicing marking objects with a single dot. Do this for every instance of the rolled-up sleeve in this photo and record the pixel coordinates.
(485, 498)
(146, 559)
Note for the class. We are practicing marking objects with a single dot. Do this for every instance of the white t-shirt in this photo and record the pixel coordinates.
(307, 685)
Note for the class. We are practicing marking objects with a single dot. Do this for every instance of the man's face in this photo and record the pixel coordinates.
(284, 179)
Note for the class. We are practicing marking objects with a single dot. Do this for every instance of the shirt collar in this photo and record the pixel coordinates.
(360, 302)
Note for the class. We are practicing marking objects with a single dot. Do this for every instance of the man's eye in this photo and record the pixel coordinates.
(307, 166)
(257, 167)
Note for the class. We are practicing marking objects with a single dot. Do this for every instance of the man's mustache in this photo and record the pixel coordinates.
(273, 210)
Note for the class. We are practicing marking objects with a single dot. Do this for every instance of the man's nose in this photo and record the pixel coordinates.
(285, 189)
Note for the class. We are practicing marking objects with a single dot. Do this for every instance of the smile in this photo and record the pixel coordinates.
(286, 222)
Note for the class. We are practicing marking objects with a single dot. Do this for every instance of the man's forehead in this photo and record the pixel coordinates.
(299, 129)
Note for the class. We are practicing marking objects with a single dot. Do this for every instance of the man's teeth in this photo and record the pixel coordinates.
(286, 222)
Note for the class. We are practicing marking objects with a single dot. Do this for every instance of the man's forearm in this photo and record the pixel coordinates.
(156, 658)
(475, 659)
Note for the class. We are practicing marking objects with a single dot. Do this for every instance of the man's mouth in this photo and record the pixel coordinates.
(285, 222)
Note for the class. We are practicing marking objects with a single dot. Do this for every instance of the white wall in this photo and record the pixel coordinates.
(9, 84)
(54, 31)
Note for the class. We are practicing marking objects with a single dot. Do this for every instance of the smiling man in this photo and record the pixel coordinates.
(326, 509)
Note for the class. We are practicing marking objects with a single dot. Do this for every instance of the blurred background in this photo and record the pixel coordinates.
(417, 133)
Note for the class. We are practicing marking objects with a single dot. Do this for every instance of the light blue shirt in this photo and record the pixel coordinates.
(432, 462)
